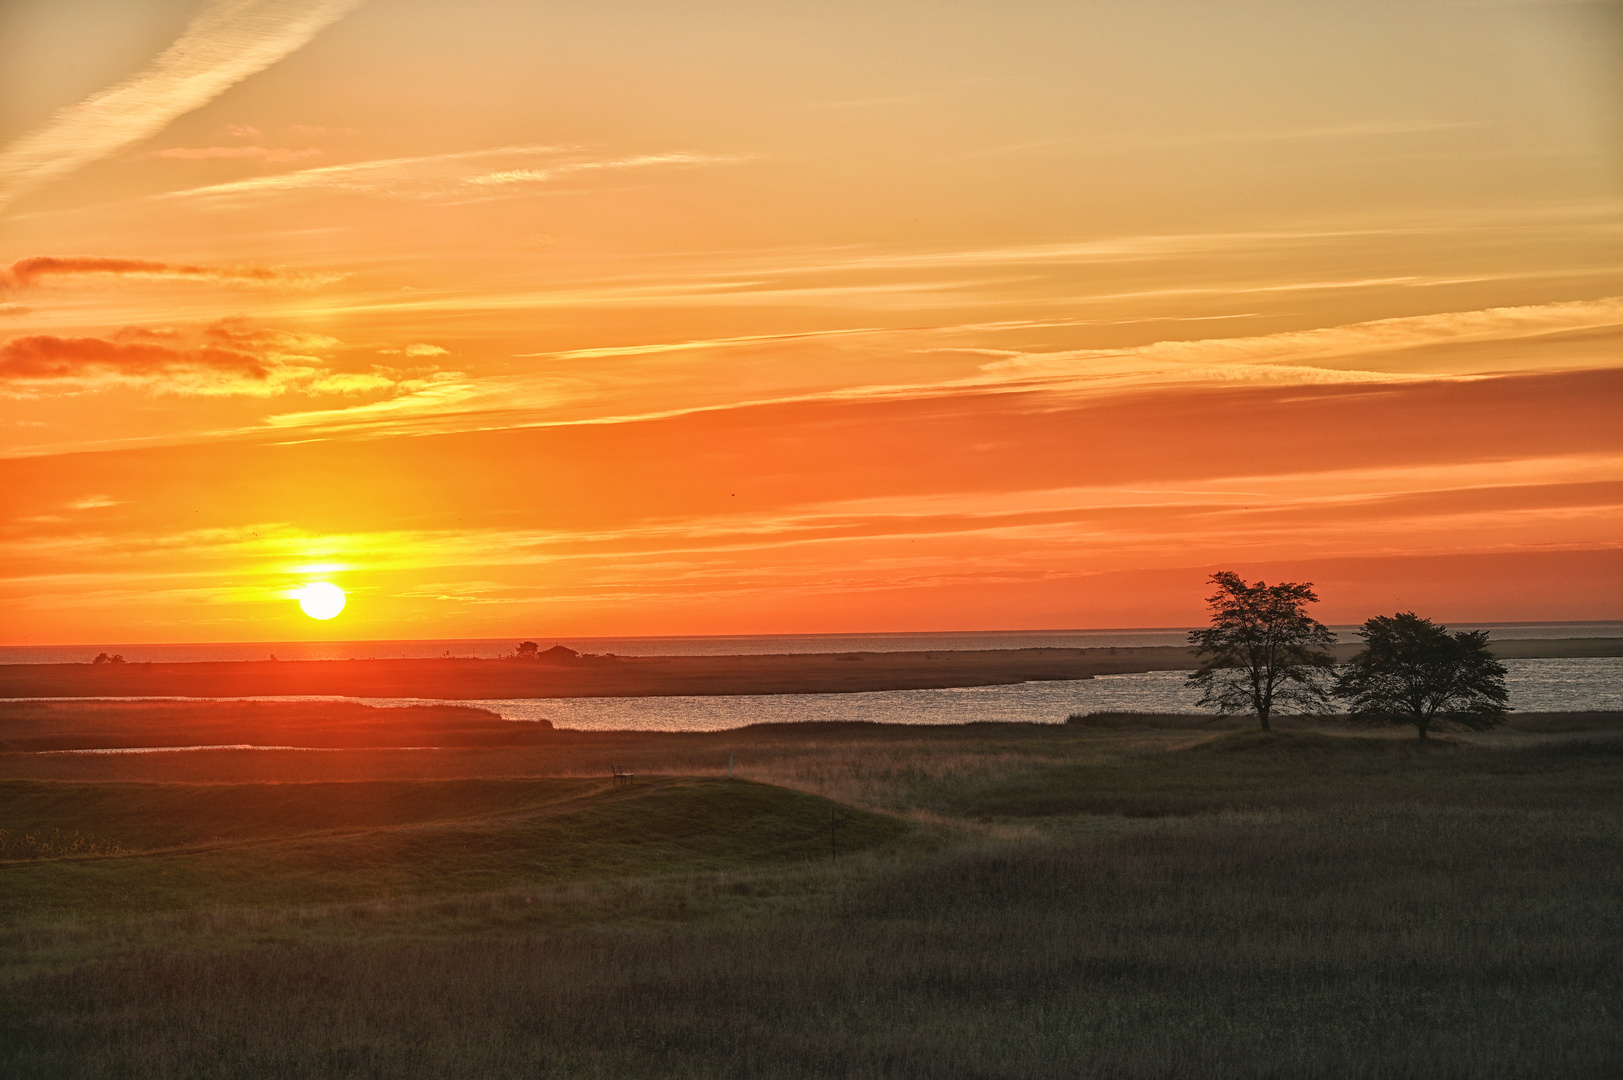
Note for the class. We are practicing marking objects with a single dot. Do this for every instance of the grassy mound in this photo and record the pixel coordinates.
(33, 726)
(211, 846)
(1314, 743)
(1549, 723)
(1129, 719)
(1291, 771)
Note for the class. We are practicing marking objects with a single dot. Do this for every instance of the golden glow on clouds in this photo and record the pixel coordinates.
(527, 319)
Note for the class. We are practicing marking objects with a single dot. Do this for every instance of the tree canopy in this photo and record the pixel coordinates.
(1412, 671)
(1262, 650)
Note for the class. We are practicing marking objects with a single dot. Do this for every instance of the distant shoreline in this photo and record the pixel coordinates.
(714, 645)
(645, 676)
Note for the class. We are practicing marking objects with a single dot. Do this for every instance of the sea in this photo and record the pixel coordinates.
(721, 645)
(1536, 685)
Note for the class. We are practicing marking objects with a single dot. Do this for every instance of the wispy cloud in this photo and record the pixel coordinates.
(94, 502)
(360, 176)
(1323, 486)
(703, 343)
(1301, 358)
(261, 153)
(1287, 353)
(231, 357)
(29, 271)
(37, 358)
(461, 176)
(534, 176)
(228, 41)
(746, 340)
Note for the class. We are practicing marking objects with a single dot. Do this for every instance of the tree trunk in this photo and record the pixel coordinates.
(1262, 718)
(1421, 724)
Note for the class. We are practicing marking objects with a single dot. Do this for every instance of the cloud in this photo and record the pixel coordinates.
(1475, 343)
(418, 348)
(26, 272)
(362, 176)
(262, 153)
(704, 343)
(43, 358)
(533, 176)
(1386, 335)
(226, 42)
(349, 382)
(231, 357)
(435, 393)
(1293, 355)
(461, 176)
(242, 332)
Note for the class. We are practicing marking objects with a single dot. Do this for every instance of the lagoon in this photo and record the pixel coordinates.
(1544, 685)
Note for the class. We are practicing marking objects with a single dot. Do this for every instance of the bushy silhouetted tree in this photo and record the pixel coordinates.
(527, 650)
(1412, 671)
(1262, 650)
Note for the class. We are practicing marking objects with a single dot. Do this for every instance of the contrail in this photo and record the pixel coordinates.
(228, 41)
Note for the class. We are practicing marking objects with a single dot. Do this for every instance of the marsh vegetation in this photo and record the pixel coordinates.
(1124, 897)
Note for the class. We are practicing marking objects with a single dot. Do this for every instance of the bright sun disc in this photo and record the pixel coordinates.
(321, 600)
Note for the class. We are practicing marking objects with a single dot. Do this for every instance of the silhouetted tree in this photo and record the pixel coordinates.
(527, 650)
(1262, 649)
(1412, 671)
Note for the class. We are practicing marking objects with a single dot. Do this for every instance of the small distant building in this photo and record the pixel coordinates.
(558, 654)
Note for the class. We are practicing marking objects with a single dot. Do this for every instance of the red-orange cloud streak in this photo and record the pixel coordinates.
(29, 271)
(43, 357)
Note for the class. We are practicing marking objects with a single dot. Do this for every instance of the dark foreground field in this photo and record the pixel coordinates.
(1131, 898)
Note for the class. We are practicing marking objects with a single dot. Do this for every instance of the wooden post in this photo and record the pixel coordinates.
(729, 766)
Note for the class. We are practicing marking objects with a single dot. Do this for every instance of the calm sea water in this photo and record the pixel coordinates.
(738, 645)
(1535, 686)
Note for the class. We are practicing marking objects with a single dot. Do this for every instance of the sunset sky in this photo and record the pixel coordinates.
(516, 318)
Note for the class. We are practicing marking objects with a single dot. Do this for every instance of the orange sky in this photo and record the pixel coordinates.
(520, 319)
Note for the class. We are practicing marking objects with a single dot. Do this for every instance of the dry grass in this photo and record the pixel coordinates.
(1380, 945)
(1129, 902)
(54, 844)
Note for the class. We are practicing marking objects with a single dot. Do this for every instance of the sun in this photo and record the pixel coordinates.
(320, 599)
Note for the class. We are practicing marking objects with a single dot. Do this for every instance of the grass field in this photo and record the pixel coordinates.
(1127, 898)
